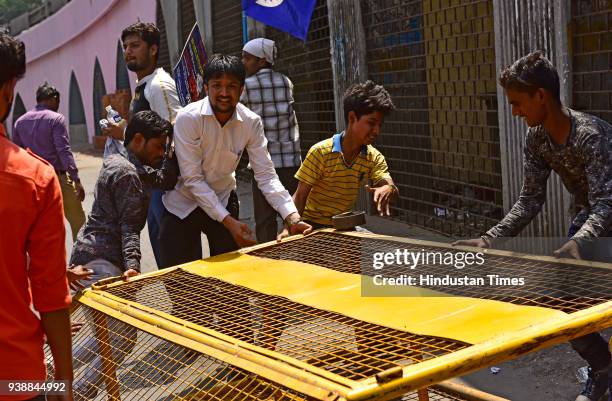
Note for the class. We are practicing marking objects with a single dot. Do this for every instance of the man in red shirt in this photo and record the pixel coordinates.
(31, 216)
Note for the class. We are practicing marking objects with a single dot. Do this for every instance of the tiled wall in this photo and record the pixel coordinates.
(592, 57)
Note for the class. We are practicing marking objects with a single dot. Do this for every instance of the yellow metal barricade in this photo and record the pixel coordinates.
(287, 321)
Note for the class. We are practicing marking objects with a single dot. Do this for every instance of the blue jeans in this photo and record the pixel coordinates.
(122, 340)
(156, 210)
(592, 347)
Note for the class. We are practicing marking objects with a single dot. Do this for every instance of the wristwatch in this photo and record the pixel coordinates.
(293, 221)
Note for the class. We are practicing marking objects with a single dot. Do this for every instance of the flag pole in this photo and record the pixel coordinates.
(245, 29)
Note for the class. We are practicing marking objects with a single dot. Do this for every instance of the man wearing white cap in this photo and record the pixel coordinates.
(270, 95)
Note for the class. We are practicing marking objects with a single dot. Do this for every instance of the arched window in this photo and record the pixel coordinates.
(123, 79)
(99, 90)
(19, 109)
(76, 114)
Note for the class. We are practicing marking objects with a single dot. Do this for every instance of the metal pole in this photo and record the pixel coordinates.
(245, 29)
(109, 367)
(349, 65)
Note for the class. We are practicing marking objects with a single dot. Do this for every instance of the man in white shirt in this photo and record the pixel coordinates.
(210, 136)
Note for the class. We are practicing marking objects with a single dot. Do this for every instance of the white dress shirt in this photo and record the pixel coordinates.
(208, 155)
(161, 94)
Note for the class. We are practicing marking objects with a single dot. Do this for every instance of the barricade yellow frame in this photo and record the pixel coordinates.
(323, 385)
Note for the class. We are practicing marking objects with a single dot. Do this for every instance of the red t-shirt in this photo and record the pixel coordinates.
(31, 222)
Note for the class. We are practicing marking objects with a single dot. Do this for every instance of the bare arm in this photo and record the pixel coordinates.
(299, 199)
(384, 191)
(301, 196)
(383, 182)
(56, 325)
(114, 130)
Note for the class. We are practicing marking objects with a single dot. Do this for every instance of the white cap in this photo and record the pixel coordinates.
(262, 48)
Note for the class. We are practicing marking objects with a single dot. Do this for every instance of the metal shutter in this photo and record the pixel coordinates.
(442, 144)
(164, 56)
(227, 26)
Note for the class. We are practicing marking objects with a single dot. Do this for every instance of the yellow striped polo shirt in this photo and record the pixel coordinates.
(335, 185)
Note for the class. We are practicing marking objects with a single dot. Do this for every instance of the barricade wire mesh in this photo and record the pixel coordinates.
(434, 395)
(147, 367)
(339, 344)
(151, 368)
(114, 359)
(550, 285)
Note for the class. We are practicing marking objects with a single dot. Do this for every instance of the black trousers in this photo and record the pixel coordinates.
(181, 242)
(266, 227)
(593, 349)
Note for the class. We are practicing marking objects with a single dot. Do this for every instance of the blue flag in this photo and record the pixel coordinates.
(291, 16)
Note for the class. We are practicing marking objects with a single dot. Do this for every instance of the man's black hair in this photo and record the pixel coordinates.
(531, 72)
(220, 64)
(46, 92)
(146, 31)
(149, 124)
(366, 98)
(12, 58)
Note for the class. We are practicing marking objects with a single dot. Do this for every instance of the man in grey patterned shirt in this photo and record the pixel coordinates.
(109, 243)
(578, 147)
(270, 95)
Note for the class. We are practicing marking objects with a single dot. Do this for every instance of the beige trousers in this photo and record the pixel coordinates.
(73, 210)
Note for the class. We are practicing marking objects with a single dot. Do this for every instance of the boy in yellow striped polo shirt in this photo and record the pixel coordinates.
(335, 168)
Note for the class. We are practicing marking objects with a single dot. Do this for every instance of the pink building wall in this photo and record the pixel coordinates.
(70, 40)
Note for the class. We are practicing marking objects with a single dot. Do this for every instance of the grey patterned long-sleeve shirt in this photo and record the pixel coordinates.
(118, 214)
(584, 165)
